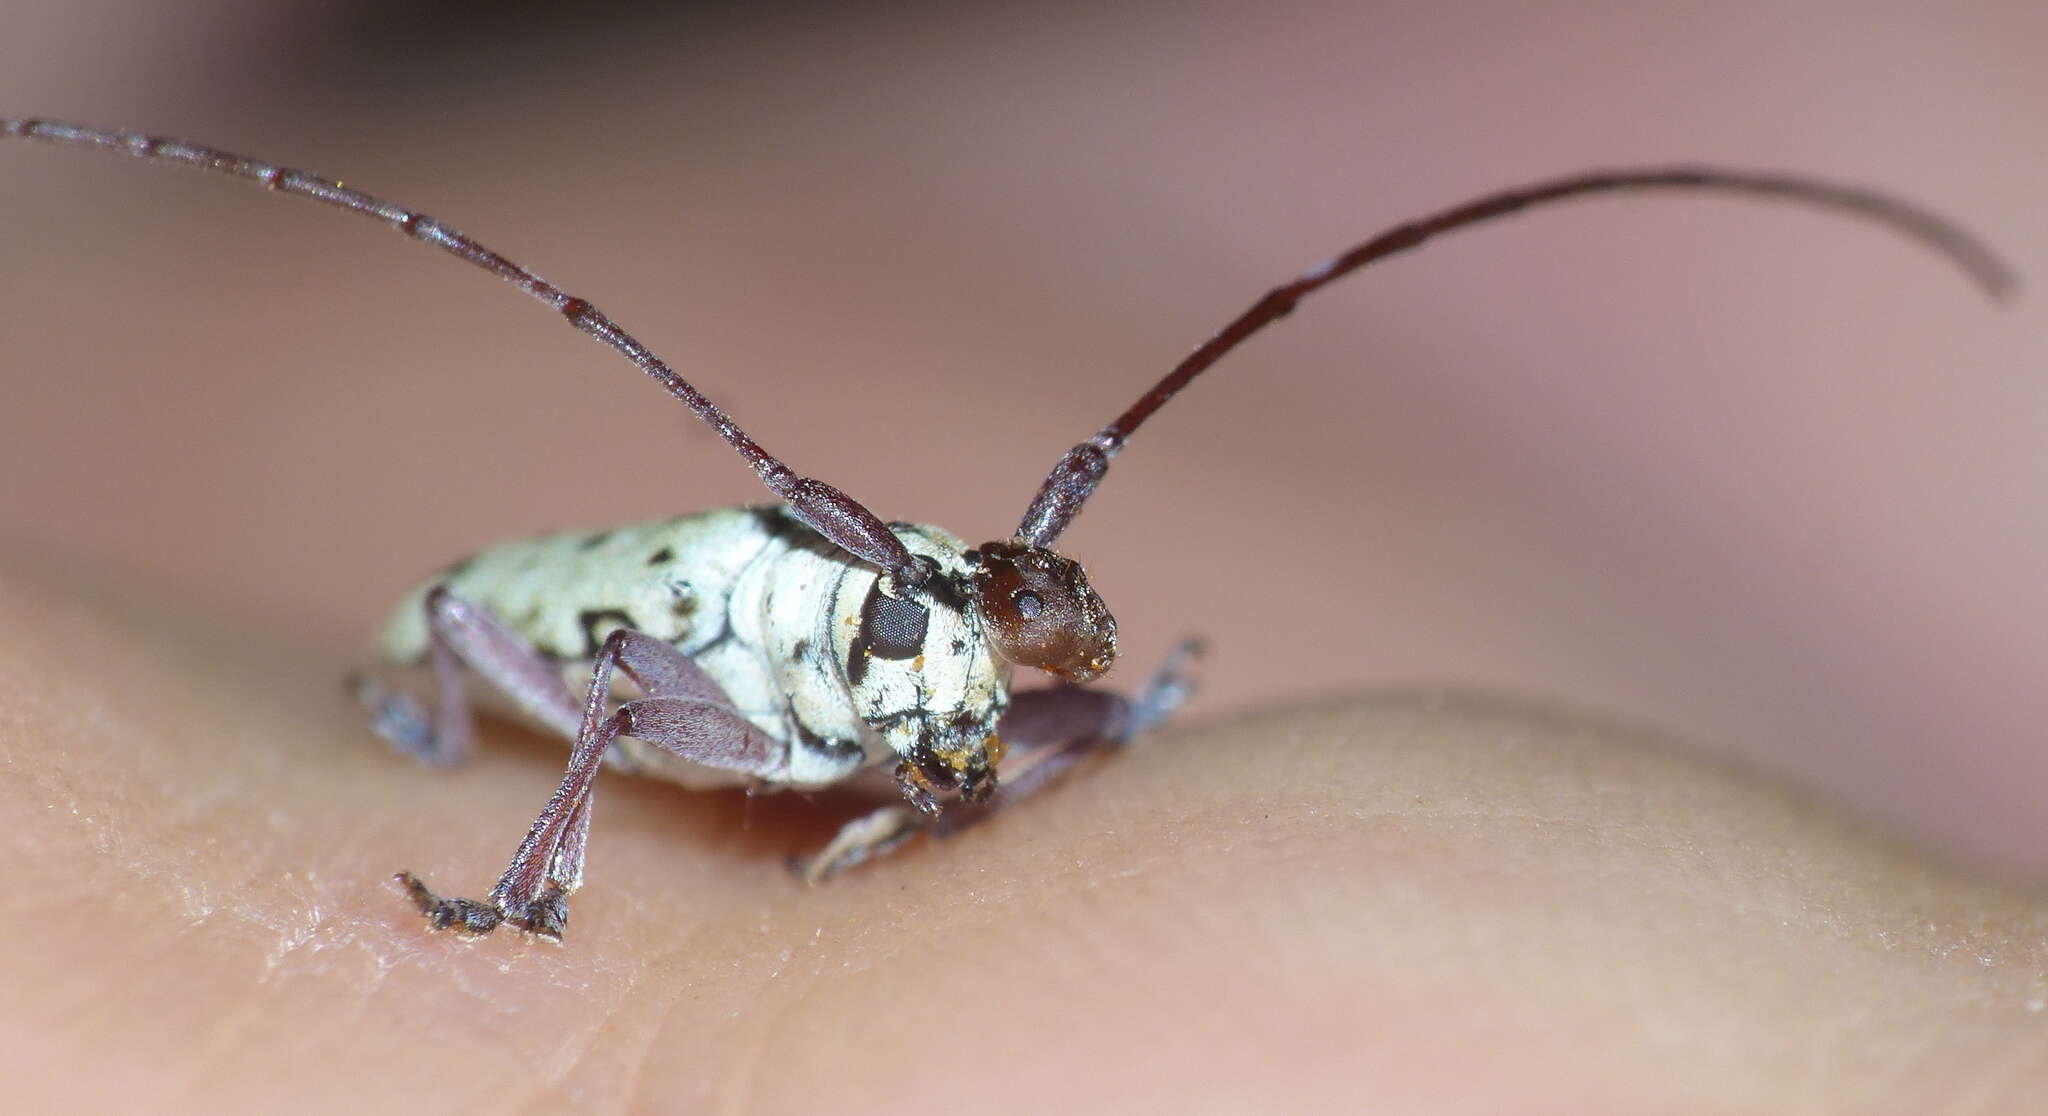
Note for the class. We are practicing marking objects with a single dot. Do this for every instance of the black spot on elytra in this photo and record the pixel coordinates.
(592, 542)
(661, 557)
(682, 599)
(801, 649)
(597, 624)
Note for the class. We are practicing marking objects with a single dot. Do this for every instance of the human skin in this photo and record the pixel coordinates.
(1409, 900)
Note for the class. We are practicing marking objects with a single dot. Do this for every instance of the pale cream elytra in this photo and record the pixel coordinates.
(807, 643)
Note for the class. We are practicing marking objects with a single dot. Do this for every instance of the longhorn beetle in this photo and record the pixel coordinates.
(803, 643)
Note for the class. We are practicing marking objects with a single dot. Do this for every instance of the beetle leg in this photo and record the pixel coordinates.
(1054, 730)
(863, 838)
(461, 633)
(1047, 732)
(438, 739)
(684, 713)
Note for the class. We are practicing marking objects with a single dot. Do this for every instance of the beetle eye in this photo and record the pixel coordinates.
(1028, 604)
(892, 627)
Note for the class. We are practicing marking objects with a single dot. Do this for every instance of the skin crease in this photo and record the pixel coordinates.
(1438, 902)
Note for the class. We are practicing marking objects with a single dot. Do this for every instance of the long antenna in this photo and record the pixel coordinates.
(1078, 473)
(831, 512)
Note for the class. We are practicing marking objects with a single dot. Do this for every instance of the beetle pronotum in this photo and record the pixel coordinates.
(804, 643)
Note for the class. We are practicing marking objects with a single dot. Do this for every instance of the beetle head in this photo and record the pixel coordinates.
(1040, 611)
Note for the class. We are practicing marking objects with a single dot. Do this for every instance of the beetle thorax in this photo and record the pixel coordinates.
(920, 668)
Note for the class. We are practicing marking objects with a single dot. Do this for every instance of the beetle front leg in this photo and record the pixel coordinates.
(1054, 730)
(684, 713)
(876, 832)
(1047, 733)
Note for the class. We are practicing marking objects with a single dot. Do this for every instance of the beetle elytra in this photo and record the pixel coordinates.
(806, 643)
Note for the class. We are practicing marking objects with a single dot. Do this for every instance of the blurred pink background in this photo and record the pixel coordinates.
(1769, 480)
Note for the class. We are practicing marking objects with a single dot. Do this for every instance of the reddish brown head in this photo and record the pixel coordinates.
(1041, 613)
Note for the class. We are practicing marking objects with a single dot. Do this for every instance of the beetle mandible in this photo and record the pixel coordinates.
(805, 643)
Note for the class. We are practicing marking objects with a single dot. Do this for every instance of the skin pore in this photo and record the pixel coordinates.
(1404, 900)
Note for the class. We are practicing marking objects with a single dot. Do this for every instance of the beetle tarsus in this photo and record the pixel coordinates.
(400, 719)
(467, 917)
(545, 917)
(1168, 689)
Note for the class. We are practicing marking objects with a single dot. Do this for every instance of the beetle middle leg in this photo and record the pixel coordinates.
(1047, 733)
(683, 712)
